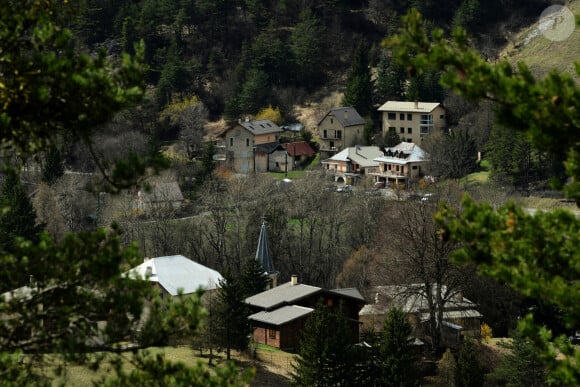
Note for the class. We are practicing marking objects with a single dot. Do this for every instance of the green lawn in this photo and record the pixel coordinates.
(81, 375)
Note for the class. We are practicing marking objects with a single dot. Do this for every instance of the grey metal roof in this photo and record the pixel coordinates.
(280, 295)
(282, 315)
(349, 292)
(257, 127)
(411, 298)
(347, 116)
(263, 251)
(177, 272)
(362, 155)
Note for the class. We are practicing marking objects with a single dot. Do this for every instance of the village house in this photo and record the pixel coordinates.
(280, 313)
(176, 273)
(340, 128)
(353, 162)
(400, 165)
(161, 196)
(412, 121)
(248, 144)
(460, 316)
(298, 153)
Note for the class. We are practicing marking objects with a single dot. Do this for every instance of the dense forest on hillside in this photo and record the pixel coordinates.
(241, 55)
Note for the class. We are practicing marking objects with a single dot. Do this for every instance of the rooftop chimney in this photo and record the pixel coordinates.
(416, 104)
(294, 280)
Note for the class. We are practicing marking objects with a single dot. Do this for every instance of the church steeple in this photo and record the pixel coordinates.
(263, 255)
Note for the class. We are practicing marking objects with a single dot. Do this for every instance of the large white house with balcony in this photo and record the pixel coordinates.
(353, 162)
(412, 121)
(400, 165)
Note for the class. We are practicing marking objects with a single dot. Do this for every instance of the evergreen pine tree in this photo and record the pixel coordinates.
(254, 279)
(233, 327)
(470, 372)
(53, 167)
(17, 215)
(358, 92)
(324, 355)
(391, 138)
(390, 81)
(398, 363)
(521, 366)
(305, 47)
(446, 369)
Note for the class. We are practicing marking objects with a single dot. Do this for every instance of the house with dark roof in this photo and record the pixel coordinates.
(248, 144)
(280, 313)
(340, 128)
(353, 162)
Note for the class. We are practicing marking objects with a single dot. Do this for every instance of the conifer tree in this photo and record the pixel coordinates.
(53, 167)
(398, 368)
(446, 369)
(358, 92)
(521, 365)
(390, 81)
(233, 327)
(17, 215)
(305, 46)
(254, 279)
(324, 355)
(469, 372)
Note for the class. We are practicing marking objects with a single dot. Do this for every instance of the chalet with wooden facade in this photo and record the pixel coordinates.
(280, 313)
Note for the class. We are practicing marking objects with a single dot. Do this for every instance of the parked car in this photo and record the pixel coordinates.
(345, 189)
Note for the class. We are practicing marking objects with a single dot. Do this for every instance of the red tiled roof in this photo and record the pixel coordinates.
(299, 148)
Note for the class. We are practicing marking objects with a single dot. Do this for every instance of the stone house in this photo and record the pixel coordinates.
(340, 128)
(248, 143)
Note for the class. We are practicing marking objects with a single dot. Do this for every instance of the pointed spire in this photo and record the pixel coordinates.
(263, 252)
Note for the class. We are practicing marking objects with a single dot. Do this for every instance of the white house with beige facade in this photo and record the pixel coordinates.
(353, 162)
(412, 121)
(400, 165)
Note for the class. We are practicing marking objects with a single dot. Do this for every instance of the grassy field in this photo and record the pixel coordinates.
(272, 366)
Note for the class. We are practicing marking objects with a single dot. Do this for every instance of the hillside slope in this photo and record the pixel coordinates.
(542, 54)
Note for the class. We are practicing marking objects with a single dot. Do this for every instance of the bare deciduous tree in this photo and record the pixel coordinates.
(415, 254)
